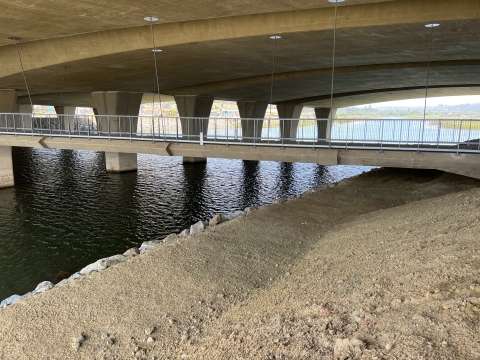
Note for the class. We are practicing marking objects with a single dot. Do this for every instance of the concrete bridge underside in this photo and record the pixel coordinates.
(223, 51)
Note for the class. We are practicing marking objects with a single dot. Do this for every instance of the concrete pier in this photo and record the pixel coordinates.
(193, 107)
(8, 100)
(252, 110)
(6, 167)
(118, 103)
(324, 124)
(288, 128)
(67, 123)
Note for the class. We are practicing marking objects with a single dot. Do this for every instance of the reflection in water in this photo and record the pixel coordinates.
(66, 211)
(250, 184)
(286, 179)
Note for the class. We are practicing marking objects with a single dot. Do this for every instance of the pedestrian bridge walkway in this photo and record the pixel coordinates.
(450, 145)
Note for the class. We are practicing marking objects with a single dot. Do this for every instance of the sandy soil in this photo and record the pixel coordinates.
(382, 266)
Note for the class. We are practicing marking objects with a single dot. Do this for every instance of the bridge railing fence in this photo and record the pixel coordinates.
(431, 134)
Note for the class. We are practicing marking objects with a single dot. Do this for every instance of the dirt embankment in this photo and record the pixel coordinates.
(383, 266)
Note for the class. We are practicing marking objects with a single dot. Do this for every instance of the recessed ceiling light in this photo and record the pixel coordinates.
(150, 18)
(275, 37)
(336, 1)
(432, 25)
(157, 50)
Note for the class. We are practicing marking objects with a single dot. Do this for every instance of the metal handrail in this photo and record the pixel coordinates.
(456, 136)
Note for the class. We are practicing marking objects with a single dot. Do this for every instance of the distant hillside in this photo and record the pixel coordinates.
(463, 111)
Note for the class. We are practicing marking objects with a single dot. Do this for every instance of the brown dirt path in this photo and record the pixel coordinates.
(366, 261)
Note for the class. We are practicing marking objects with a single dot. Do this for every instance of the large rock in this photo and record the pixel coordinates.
(199, 226)
(43, 286)
(184, 233)
(10, 300)
(102, 264)
(150, 244)
(132, 252)
(217, 219)
(170, 238)
(73, 277)
(234, 215)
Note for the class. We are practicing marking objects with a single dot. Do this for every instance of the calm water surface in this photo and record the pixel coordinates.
(66, 211)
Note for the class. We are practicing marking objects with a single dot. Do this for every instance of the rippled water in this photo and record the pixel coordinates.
(66, 211)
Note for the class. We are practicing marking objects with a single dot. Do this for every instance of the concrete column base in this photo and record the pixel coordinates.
(191, 160)
(121, 162)
(6, 167)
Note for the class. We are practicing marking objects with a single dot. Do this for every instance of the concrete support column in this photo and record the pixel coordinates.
(324, 124)
(252, 110)
(8, 100)
(197, 109)
(66, 121)
(6, 167)
(119, 103)
(24, 122)
(288, 128)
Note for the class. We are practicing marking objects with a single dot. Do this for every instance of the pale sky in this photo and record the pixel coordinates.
(451, 100)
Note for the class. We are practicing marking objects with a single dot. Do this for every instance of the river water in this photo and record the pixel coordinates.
(66, 211)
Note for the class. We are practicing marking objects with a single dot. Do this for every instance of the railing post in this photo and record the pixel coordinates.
(227, 135)
(176, 123)
(459, 136)
(14, 125)
(254, 133)
(88, 127)
(381, 138)
(109, 134)
(50, 126)
(153, 129)
(346, 139)
(130, 122)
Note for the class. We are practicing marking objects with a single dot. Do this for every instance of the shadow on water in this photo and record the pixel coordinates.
(66, 211)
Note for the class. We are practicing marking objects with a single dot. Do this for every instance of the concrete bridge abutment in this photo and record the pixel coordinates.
(289, 127)
(324, 122)
(124, 104)
(252, 114)
(8, 100)
(194, 111)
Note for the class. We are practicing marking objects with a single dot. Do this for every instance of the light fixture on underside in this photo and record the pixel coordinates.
(14, 38)
(432, 25)
(150, 18)
(275, 37)
(157, 50)
(336, 1)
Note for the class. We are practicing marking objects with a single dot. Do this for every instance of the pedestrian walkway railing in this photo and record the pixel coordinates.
(441, 135)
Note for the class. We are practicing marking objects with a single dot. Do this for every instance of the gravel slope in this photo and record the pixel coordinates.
(382, 266)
